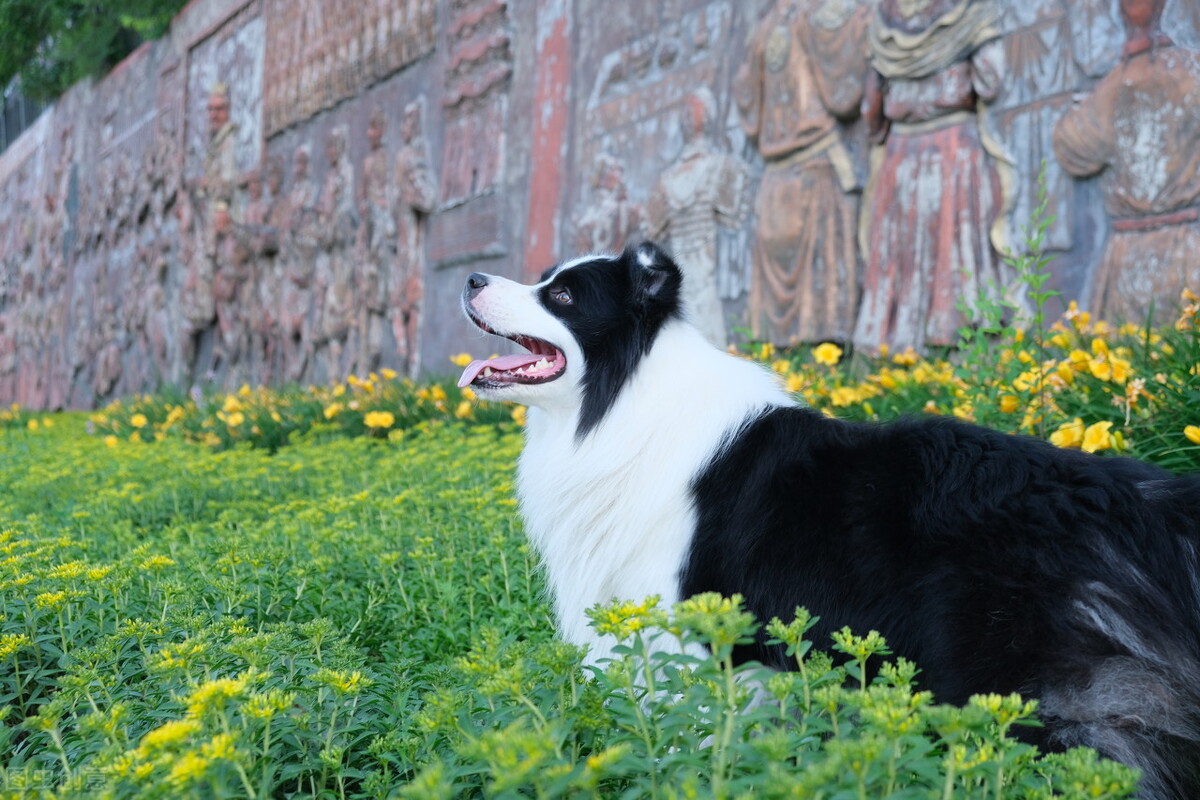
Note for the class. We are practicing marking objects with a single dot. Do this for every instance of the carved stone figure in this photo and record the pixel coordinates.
(299, 257)
(268, 276)
(155, 321)
(220, 169)
(1139, 131)
(934, 198)
(263, 244)
(376, 245)
(1051, 48)
(337, 223)
(107, 348)
(802, 81)
(8, 364)
(611, 218)
(416, 195)
(230, 253)
(703, 189)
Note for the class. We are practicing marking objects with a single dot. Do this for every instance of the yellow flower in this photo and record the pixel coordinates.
(795, 383)
(1192, 432)
(268, 705)
(463, 411)
(156, 562)
(1079, 319)
(622, 619)
(11, 643)
(235, 419)
(332, 410)
(51, 600)
(518, 415)
(32, 424)
(343, 681)
(1009, 403)
(1097, 437)
(47, 422)
(905, 359)
(169, 733)
(468, 394)
(188, 768)
(214, 694)
(339, 390)
(231, 404)
(379, 419)
(111, 440)
(828, 354)
(388, 374)
(844, 396)
(1101, 368)
(244, 391)
(1121, 369)
(461, 360)
(220, 746)
(1069, 434)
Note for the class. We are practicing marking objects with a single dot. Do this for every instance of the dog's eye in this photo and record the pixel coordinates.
(562, 295)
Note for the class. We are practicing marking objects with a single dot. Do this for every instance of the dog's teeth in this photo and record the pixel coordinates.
(542, 364)
(487, 371)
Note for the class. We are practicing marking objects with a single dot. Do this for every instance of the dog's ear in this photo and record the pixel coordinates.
(658, 277)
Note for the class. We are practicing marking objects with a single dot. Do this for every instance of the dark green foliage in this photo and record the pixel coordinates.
(52, 44)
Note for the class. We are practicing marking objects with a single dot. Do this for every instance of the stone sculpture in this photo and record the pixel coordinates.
(8, 362)
(416, 196)
(1051, 48)
(611, 218)
(230, 253)
(702, 190)
(376, 244)
(1139, 131)
(337, 222)
(220, 169)
(802, 81)
(299, 257)
(934, 199)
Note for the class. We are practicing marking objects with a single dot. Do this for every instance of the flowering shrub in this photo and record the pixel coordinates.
(1080, 383)
(379, 405)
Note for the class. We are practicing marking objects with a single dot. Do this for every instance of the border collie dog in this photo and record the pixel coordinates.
(655, 463)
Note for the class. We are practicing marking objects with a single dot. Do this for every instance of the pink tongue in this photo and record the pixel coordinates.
(500, 363)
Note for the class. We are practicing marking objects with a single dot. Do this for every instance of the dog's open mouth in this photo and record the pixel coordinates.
(544, 362)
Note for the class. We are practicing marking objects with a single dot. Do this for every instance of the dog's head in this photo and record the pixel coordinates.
(586, 324)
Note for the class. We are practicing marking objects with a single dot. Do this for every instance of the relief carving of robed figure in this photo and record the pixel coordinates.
(803, 78)
(935, 195)
(1140, 132)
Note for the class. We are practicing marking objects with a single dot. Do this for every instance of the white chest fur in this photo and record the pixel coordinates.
(612, 515)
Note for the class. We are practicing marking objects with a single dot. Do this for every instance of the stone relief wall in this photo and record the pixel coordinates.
(291, 191)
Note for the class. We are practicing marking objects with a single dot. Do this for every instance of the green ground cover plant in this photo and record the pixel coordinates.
(325, 592)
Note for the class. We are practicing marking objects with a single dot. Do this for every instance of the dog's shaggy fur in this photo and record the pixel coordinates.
(657, 464)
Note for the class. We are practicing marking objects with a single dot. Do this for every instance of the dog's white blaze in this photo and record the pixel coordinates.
(601, 532)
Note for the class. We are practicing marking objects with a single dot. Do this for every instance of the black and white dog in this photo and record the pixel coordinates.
(654, 463)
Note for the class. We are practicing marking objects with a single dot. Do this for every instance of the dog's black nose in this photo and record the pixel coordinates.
(475, 283)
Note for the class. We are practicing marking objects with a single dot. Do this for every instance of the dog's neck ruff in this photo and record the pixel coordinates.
(601, 532)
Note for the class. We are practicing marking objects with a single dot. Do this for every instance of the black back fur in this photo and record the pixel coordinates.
(997, 563)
